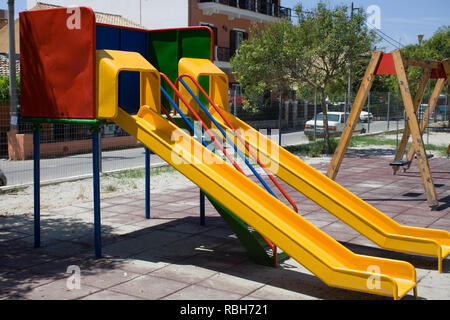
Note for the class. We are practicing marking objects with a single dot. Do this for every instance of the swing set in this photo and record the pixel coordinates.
(394, 64)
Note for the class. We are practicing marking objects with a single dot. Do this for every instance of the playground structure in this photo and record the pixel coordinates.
(98, 73)
(394, 64)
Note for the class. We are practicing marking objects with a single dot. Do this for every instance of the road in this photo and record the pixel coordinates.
(21, 172)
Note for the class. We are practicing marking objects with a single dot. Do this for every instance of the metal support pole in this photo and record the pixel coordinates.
(397, 136)
(279, 120)
(388, 109)
(36, 186)
(202, 208)
(12, 67)
(315, 115)
(96, 178)
(235, 101)
(147, 183)
(368, 113)
(100, 157)
(345, 106)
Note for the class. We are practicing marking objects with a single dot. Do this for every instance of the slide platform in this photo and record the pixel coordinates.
(322, 255)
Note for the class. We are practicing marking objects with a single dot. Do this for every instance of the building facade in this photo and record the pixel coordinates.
(230, 20)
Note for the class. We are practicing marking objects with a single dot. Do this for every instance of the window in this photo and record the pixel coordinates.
(214, 29)
(236, 38)
(331, 117)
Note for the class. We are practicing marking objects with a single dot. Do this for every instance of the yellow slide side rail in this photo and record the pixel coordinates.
(218, 82)
(109, 64)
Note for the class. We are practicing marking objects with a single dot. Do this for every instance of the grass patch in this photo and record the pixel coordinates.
(162, 170)
(379, 140)
(138, 173)
(110, 188)
(81, 195)
(15, 190)
(313, 149)
(358, 141)
(127, 174)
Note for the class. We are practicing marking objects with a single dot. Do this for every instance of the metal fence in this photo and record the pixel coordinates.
(384, 109)
(66, 149)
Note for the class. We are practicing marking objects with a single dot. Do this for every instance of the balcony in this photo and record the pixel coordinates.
(223, 54)
(254, 10)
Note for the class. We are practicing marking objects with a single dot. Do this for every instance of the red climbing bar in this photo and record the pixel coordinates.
(240, 139)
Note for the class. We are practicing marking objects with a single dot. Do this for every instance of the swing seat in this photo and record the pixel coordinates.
(399, 163)
(429, 156)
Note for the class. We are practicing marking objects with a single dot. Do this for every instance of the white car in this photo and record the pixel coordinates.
(336, 124)
(365, 116)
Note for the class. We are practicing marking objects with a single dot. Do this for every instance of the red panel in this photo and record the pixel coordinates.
(386, 65)
(439, 72)
(58, 63)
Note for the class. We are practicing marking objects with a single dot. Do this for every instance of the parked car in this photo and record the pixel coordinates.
(442, 113)
(3, 180)
(422, 108)
(336, 123)
(365, 116)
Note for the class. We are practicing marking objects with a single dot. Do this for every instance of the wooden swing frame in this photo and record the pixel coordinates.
(393, 63)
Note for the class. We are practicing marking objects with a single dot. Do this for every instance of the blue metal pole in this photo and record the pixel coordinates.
(147, 183)
(36, 186)
(96, 178)
(202, 208)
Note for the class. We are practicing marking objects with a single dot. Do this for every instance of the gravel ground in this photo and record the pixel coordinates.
(69, 193)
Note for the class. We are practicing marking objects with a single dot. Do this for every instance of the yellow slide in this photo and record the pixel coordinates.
(322, 255)
(346, 206)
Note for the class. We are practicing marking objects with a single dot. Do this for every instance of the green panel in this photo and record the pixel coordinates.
(196, 43)
(167, 47)
(204, 83)
(163, 55)
(252, 240)
(182, 124)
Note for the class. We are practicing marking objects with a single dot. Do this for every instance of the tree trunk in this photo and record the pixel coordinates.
(326, 136)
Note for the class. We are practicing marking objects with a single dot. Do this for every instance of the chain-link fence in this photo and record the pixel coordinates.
(66, 149)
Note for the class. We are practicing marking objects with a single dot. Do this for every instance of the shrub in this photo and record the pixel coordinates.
(4, 88)
(314, 148)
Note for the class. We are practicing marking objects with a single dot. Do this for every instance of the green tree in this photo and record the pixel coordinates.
(311, 55)
(435, 48)
(262, 62)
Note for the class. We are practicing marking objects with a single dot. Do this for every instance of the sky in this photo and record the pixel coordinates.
(400, 20)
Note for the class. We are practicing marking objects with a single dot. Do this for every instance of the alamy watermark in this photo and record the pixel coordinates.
(373, 17)
(374, 280)
(74, 280)
(187, 151)
(73, 22)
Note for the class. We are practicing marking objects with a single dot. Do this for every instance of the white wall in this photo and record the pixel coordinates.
(154, 13)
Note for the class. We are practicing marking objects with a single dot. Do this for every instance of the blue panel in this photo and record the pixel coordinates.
(107, 38)
(129, 82)
(127, 40)
(129, 89)
(136, 41)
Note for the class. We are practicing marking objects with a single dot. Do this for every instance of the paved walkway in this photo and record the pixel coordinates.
(171, 256)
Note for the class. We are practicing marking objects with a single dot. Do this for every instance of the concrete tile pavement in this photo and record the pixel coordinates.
(171, 256)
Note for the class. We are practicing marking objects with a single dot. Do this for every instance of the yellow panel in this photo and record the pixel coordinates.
(109, 64)
(218, 81)
(322, 255)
